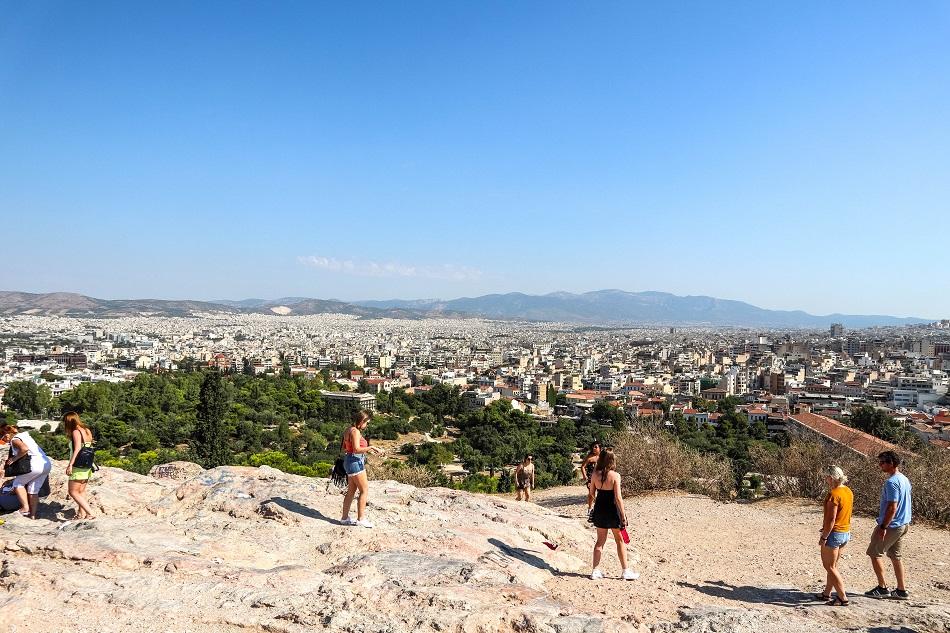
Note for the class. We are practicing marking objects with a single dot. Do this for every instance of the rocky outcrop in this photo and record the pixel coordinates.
(255, 549)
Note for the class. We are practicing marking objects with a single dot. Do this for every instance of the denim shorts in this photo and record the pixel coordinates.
(354, 463)
(837, 539)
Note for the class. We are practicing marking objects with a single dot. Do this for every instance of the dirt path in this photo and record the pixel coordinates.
(692, 551)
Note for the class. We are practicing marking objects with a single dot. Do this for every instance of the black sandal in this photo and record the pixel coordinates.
(837, 601)
(822, 597)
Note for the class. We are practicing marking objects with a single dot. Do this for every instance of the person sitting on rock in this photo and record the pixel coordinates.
(608, 513)
(8, 498)
(835, 532)
(354, 462)
(524, 477)
(27, 486)
(80, 436)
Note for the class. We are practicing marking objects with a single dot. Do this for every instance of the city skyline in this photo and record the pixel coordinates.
(794, 160)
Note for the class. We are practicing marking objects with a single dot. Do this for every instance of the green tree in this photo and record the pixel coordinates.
(27, 399)
(877, 423)
(209, 440)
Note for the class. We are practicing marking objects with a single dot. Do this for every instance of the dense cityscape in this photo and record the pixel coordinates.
(547, 370)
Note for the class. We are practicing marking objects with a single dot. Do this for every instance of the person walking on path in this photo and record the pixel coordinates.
(354, 462)
(27, 486)
(80, 437)
(892, 524)
(587, 470)
(835, 533)
(524, 477)
(608, 513)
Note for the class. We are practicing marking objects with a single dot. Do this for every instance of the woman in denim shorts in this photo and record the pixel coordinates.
(354, 462)
(835, 533)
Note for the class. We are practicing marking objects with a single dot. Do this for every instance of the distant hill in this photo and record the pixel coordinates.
(618, 306)
(76, 305)
(601, 306)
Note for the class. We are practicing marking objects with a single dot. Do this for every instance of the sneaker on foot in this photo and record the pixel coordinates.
(364, 523)
(629, 574)
(900, 594)
(348, 521)
(878, 592)
(596, 574)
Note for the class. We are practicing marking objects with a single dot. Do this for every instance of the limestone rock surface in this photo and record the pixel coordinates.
(255, 549)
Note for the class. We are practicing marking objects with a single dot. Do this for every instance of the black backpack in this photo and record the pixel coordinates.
(85, 457)
(338, 474)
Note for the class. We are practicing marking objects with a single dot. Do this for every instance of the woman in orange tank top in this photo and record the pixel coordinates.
(835, 533)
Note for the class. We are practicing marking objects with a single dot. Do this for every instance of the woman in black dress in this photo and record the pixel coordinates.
(608, 512)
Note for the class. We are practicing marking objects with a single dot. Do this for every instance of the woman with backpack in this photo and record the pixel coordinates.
(608, 513)
(29, 476)
(355, 447)
(80, 454)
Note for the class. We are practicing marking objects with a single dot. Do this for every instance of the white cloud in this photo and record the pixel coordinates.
(390, 269)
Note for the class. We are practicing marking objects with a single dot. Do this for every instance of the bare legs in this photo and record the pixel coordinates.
(878, 564)
(34, 501)
(24, 499)
(621, 549)
(829, 560)
(899, 572)
(356, 483)
(77, 492)
(599, 547)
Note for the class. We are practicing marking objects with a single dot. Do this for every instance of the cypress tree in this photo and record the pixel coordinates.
(209, 440)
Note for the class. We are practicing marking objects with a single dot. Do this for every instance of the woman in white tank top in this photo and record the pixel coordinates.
(27, 486)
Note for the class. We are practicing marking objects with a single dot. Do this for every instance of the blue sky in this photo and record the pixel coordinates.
(791, 155)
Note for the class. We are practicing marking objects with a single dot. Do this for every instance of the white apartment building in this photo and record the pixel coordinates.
(904, 398)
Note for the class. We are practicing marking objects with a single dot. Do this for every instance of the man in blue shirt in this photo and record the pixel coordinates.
(892, 522)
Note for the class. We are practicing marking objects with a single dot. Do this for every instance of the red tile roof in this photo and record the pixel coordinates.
(856, 440)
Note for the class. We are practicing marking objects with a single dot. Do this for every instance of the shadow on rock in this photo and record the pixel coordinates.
(562, 501)
(760, 595)
(531, 558)
(302, 510)
(50, 510)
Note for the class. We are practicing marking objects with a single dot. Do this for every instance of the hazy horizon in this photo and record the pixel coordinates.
(383, 299)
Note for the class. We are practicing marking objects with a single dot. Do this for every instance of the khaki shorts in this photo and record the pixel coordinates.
(890, 546)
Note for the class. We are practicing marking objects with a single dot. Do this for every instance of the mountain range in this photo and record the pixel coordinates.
(601, 306)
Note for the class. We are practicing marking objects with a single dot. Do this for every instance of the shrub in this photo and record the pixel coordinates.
(478, 482)
(654, 460)
(797, 471)
(281, 461)
(139, 462)
(418, 476)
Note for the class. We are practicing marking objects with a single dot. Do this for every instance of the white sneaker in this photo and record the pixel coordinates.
(629, 574)
(348, 521)
(364, 523)
(596, 574)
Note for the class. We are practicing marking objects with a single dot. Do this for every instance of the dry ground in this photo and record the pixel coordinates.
(765, 555)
